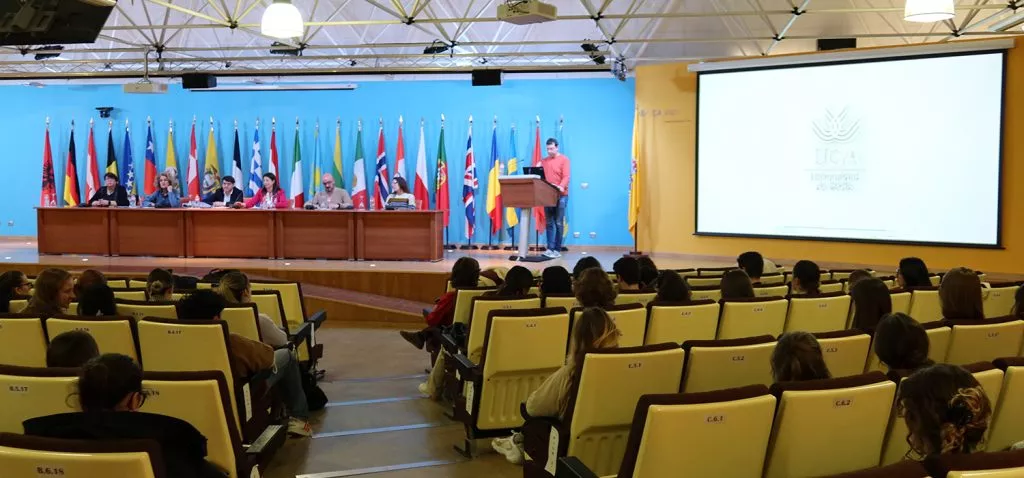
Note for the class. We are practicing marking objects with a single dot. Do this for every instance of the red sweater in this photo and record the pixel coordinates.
(280, 200)
(556, 171)
(444, 311)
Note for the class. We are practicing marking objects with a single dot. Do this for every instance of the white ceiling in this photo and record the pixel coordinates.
(375, 35)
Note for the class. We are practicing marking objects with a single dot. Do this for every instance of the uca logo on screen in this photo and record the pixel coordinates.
(837, 159)
(836, 128)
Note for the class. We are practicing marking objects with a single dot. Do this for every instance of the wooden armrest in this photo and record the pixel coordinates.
(572, 467)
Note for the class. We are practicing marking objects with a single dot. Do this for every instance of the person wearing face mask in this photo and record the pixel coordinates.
(227, 195)
(331, 197)
(113, 194)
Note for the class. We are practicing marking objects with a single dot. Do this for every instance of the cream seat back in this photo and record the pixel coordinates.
(935, 279)
(137, 284)
(565, 301)
(291, 298)
(821, 313)
(482, 307)
(773, 279)
(844, 351)
(999, 299)
(806, 438)
(1007, 426)
(938, 343)
(201, 399)
(752, 317)
(138, 309)
(188, 346)
(924, 305)
(243, 319)
(720, 364)
(17, 305)
(1002, 464)
(464, 302)
(831, 286)
(677, 322)
(269, 302)
(706, 293)
(112, 334)
(714, 271)
(22, 340)
(510, 376)
(600, 415)
(634, 297)
(30, 392)
(726, 434)
(117, 282)
(631, 320)
(715, 281)
(130, 294)
(30, 456)
(984, 340)
(776, 290)
(900, 301)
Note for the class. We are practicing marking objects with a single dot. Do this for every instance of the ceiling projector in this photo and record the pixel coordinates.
(527, 12)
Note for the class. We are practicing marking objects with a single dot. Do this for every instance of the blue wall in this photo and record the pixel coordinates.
(596, 136)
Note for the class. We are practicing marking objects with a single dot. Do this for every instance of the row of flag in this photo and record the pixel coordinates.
(196, 187)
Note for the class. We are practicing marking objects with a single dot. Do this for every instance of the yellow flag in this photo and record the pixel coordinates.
(635, 184)
(211, 175)
(172, 158)
(336, 169)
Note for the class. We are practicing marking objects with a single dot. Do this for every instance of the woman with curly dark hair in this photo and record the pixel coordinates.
(945, 409)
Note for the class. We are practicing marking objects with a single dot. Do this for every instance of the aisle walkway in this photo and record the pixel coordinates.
(377, 424)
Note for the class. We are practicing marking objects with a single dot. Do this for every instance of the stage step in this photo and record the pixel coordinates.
(347, 307)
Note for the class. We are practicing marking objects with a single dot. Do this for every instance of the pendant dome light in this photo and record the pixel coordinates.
(282, 20)
(928, 11)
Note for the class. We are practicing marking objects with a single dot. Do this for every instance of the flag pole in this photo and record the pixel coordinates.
(447, 239)
(536, 245)
(469, 240)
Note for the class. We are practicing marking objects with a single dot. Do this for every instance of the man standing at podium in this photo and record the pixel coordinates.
(556, 172)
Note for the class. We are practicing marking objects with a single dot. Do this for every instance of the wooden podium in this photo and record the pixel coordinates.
(527, 191)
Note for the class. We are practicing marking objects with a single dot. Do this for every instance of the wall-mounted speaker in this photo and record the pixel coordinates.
(192, 81)
(486, 77)
(826, 44)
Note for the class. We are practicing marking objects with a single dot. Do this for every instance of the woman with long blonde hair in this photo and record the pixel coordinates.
(236, 289)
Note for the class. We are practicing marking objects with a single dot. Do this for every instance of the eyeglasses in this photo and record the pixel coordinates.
(328, 183)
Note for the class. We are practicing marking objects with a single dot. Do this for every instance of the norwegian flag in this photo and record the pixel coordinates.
(380, 181)
(469, 186)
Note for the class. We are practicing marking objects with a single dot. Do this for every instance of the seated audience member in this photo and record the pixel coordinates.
(160, 285)
(97, 300)
(235, 288)
(111, 195)
(648, 273)
(109, 389)
(1018, 303)
(400, 195)
(331, 197)
(13, 284)
(857, 276)
(960, 295)
(270, 196)
(593, 330)
(54, 290)
(555, 280)
(249, 356)
(901, 343)
(517, 283)
(628, 271)
(752, 263)
(594, 289)
(736, 285)
(86, 279)
(871, 301)
(465, 275)
(583, 264)
(945, 409)
(227, 195)
(912, 273)
(672, 288)
(166, 194)
(71, 349)
(492, 277)
(806, 278)
(797, 357)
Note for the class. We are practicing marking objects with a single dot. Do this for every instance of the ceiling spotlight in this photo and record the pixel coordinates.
(589, 47)
(928, 11)
(281, 20)
(47, 52)
(435, 48)
(598, 59)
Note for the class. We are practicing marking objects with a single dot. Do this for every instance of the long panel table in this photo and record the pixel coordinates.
(266, 234)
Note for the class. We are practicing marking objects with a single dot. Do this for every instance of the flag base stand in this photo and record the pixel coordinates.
(450, 247)
(468, 247)
(529, 258)
(509, 248)
(634, 254)
(489, 248)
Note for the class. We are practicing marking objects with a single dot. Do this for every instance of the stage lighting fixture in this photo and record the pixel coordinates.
(282, 20)
(49, 49)
(435, 48)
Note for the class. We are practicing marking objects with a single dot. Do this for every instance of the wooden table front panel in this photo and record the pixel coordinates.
(230, 233)
(399, 235)
(147, 232)
(305, 234)
(73, 230)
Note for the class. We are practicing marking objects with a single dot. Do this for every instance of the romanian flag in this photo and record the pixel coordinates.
(493, 186)
(92, 168)
(635, 185)
(48, 194)
(441, 181)
(71, 194)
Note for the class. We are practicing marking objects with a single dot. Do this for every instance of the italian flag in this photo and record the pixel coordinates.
(298, 198)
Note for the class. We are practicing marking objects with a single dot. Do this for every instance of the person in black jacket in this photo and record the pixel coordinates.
(109, 389)
(113, 194)
(227, 195)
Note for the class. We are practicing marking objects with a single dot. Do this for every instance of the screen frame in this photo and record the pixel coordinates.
(999, 181)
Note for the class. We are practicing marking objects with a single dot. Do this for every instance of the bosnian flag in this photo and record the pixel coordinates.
(380, 180)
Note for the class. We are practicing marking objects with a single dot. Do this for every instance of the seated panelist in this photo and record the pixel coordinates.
(166, 194)
(270, 196)
(227, 195)
(400, 197)
(331, 197)
(110, 196)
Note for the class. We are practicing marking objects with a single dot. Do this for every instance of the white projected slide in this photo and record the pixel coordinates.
(896, 150)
